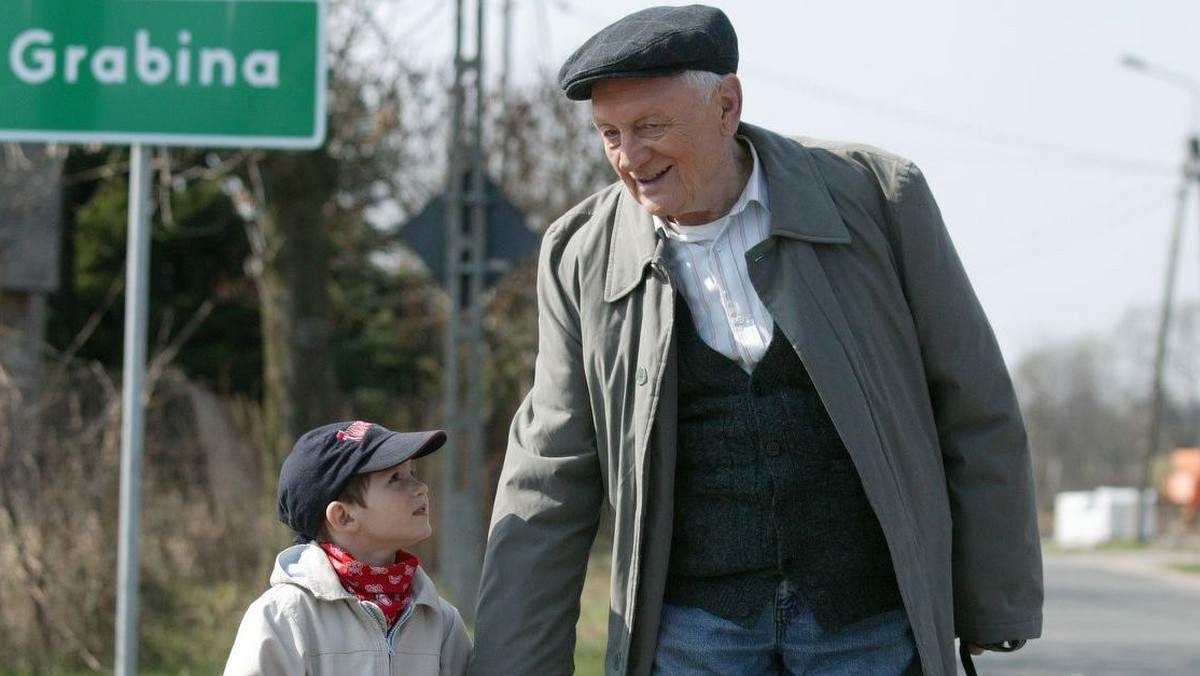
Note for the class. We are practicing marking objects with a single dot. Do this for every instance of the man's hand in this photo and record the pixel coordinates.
(1002, 647)
(966, 650)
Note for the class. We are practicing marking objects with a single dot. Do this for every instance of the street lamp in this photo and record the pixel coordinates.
(1190, 174)
(1174, 77)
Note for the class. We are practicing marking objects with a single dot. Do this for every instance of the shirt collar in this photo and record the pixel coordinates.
(756, 187)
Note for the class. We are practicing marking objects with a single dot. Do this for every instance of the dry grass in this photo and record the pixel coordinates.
(59, 481)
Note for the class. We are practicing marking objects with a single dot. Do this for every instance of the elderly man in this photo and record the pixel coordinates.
(762, 356)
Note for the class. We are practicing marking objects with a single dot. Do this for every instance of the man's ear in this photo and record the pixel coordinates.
(729, 97)
(340, 517)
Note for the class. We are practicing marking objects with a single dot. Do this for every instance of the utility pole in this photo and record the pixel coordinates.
(505, 66)
(460, 555)
(1189, 179)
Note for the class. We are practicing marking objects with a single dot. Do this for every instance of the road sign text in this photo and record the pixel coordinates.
(34, 59)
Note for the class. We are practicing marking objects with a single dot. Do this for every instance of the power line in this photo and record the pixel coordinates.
(427, 21)
(1062, 151)
(543, 21)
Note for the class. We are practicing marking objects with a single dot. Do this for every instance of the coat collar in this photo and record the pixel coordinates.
(634, 245)
(801, 208)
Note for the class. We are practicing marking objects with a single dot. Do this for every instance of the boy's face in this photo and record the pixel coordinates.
(396, 514)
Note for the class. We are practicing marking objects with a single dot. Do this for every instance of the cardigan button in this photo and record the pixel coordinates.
(773, 449)
(642, 376)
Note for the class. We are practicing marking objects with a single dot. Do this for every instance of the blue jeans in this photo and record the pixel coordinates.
(785, 641)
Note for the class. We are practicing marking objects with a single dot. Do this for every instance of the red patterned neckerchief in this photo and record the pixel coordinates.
(389, 587)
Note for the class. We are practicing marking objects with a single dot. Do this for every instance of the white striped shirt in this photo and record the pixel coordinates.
(708, 263)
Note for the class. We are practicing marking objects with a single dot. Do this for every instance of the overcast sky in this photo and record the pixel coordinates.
(1056, 168)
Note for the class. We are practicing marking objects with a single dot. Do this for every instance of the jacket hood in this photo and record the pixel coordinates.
(308, 567)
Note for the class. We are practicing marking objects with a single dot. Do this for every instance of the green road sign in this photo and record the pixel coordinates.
(242, 73)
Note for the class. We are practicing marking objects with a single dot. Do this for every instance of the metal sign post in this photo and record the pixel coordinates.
(137, 297)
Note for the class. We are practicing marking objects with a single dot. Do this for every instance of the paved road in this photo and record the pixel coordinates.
(1112, 614)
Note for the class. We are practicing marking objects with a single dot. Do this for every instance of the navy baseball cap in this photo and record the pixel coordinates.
(324, 460)
(653, 42)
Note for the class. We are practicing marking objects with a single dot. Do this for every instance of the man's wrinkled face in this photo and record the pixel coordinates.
(666, 139)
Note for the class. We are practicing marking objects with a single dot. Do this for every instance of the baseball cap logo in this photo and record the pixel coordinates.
(355, 432)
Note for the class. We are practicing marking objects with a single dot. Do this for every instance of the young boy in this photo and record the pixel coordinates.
(351, 600)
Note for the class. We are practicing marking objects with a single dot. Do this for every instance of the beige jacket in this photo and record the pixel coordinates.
(308, 624)
(860, 275)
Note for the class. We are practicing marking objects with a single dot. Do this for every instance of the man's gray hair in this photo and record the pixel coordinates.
(706, 81)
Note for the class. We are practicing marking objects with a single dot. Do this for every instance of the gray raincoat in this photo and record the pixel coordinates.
(861, 276)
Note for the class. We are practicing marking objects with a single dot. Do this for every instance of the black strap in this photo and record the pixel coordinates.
(964, 652)
(964, 655)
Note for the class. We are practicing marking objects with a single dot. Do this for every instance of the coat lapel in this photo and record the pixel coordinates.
(633, 246)
(791, 280)
(801, 210)
(801, 206)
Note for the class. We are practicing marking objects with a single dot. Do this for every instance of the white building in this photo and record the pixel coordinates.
(1105, 514)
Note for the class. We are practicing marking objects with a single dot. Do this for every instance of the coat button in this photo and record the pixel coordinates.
(773, 449)
(743, 610)
(642, 377)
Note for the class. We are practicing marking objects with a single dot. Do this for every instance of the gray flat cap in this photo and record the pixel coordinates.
(653, 42)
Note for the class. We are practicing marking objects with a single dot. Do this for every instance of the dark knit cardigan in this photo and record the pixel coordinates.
(765, 490)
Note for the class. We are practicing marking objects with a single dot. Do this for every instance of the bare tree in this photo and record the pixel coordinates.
(551, 153)
(1081, 429)
(1086, 402)
(306, 212)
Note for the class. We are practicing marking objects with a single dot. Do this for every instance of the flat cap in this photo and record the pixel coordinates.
(653, 42)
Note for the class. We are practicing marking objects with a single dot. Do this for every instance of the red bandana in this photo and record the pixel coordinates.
(389, 587)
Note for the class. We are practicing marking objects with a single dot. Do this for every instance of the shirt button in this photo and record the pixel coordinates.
(773, 449)
(642, 377)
